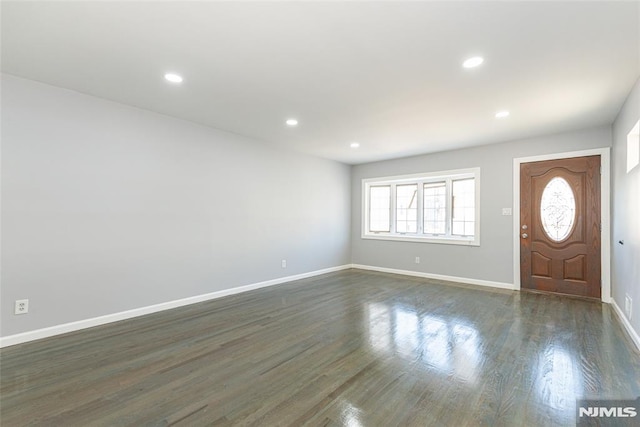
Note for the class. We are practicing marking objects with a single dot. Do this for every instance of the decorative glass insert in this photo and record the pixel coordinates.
(557, 209)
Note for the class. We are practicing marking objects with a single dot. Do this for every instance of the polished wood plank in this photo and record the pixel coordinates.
(347, 348)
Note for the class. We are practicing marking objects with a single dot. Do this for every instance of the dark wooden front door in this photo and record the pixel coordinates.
(560, 226)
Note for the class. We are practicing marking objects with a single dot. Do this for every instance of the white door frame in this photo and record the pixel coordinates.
(605, 212)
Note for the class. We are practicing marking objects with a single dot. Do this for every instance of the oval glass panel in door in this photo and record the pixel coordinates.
(557, 209)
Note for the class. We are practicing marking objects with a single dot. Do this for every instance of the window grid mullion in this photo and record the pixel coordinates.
(368, 201)
(448, 208)
(419, 207)
(393, 207)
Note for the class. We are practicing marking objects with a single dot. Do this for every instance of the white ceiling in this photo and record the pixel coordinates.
(385, 74)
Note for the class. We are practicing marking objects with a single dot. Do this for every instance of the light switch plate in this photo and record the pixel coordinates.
(506, 211)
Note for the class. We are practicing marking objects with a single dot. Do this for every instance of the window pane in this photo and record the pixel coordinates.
(407, 208)
(380, 208)
(458, 228)
(435, 208)
(463, 215)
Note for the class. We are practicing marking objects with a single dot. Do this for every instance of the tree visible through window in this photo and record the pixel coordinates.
(407, 208)
(435, 208)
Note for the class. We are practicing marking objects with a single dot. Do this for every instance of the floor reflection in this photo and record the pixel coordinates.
(449, 345)
(350, 415)
(557, 378)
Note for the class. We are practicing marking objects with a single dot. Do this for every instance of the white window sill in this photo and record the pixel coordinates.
(419, 239)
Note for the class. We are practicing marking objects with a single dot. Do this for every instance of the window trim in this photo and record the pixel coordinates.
(420, 179)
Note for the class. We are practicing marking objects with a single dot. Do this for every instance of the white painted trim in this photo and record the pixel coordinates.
(136, 312)
(605, 215)
(420, 239)
(632, 332)
(464, 280)
(418, 176)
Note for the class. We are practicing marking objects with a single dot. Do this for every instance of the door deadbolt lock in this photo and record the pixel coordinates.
(524, 227)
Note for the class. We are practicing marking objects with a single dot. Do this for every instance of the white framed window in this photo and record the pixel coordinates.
(435, 207)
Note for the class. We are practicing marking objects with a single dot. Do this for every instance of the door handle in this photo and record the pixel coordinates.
(525, 235)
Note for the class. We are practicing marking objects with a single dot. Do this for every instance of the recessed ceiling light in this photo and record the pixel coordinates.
(354, 145)
(173, 78)
(502, 114)
(292, 122)
(473, 62)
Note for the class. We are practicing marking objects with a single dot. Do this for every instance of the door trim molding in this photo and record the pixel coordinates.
(605, 212)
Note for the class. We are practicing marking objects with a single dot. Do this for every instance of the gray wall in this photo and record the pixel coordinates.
(625, 270)
(493, 259)
(107, 208)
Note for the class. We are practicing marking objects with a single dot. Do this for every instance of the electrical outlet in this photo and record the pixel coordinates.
(22, 306)
(417, 260)
(284, 263)
(628, 304)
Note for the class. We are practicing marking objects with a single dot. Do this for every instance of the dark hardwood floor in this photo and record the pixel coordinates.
(352, 348)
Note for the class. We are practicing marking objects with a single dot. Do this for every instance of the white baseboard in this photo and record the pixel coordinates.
(136, 312)
(115, 317)
(466, 280)
(625, 322)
